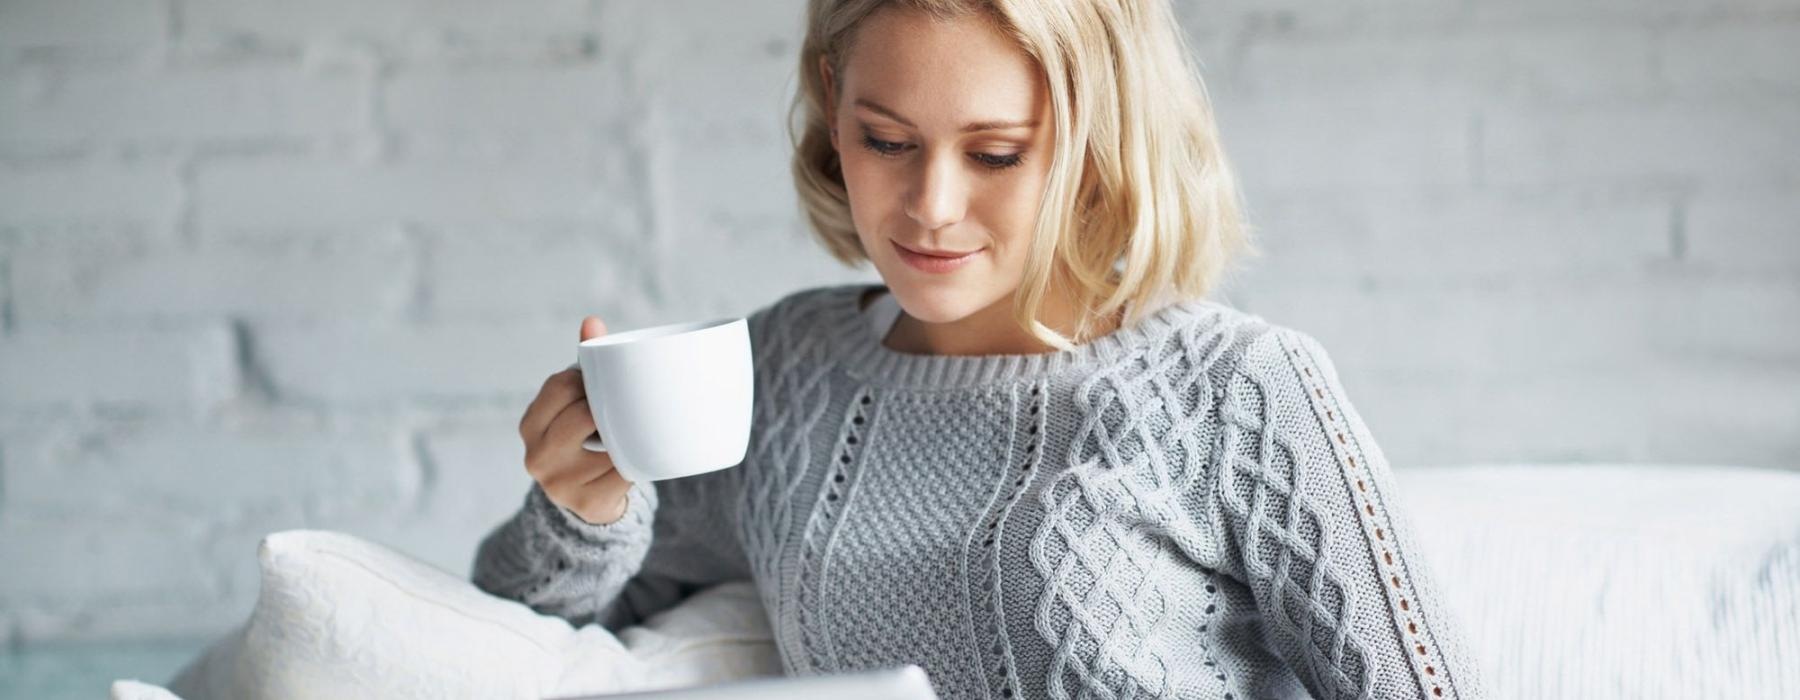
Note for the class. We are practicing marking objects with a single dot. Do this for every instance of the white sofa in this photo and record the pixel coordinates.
(1596, 581)
(1572, 581)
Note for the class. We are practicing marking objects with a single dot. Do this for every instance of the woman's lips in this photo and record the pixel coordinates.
(933, 263)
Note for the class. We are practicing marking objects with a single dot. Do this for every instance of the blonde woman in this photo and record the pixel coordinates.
(1036, 460)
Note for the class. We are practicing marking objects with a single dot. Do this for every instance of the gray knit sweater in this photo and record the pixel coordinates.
(1188, 507)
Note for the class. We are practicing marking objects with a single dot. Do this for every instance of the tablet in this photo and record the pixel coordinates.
(903, 683)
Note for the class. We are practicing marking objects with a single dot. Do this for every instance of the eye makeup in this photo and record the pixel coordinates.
(987, 160)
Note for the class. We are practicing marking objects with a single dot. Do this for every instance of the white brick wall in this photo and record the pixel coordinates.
(267, 265)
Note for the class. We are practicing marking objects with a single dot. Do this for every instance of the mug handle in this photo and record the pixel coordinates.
(592, 443)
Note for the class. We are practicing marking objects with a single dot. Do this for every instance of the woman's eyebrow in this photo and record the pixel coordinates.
(973, 127)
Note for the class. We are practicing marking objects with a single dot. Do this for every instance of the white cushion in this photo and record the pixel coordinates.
(338, 616)
(1619, 581)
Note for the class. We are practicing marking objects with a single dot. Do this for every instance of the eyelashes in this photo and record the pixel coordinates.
(988, 160)
(882, 148)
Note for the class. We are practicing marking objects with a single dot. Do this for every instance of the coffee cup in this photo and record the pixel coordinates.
(670, 401)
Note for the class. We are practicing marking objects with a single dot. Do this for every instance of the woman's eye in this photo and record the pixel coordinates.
(988, 160)
(999, 162)
(886, 148)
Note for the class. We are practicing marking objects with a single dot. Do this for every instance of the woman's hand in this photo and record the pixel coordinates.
(554, 426)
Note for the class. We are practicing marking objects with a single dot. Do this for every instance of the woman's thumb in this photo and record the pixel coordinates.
(592, 327)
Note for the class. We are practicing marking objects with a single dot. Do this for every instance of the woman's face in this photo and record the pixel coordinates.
(943, 131)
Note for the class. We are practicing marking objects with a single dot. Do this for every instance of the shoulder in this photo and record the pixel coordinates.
(1233, 338)
(1274, 349)
(1272, 366)
(1233, 344)
(807, 308)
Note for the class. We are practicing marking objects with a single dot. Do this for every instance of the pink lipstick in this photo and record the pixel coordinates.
(933, 261)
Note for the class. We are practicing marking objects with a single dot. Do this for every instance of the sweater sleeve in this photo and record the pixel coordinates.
(675, 538)
(550, 559)
(1313, 522)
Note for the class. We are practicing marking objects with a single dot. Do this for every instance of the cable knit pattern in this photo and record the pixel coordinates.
(1185, 508)
(823, 526)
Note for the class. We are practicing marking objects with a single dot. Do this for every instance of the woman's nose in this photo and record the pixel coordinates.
(939, 196)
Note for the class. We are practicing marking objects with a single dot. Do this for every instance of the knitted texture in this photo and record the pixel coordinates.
(1187, 507)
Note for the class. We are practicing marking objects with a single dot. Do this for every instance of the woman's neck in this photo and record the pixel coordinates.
(991, 331)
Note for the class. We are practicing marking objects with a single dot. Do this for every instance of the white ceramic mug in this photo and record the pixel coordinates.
(670, 401)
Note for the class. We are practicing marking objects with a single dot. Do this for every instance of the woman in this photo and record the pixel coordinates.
(1035, 461)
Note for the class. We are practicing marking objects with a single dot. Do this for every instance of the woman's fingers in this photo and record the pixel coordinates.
(558, 391)
(549, 454)
(592, 327)
(574, 424)
(553, 427)
(576, 476)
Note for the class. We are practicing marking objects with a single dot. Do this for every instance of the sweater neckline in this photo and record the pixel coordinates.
(867, 357)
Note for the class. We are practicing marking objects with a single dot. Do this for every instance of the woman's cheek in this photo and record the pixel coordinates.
(870, 193)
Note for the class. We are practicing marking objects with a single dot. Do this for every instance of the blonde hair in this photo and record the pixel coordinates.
(1141, 208)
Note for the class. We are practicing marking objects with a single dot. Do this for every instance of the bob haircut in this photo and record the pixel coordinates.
(1141, 208)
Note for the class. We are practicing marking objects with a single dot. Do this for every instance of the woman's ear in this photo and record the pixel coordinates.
(830, 99)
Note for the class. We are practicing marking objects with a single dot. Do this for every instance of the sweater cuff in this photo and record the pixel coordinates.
(640, 513)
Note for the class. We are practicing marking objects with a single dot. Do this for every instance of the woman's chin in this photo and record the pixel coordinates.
(936, 303)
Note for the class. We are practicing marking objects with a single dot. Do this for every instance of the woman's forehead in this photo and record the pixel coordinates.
(941, 73)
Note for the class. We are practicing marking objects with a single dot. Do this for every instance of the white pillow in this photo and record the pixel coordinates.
(338, 616)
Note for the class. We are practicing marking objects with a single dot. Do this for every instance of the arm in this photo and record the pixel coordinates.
(550, 559)
(1317, 529)
(675, 537)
